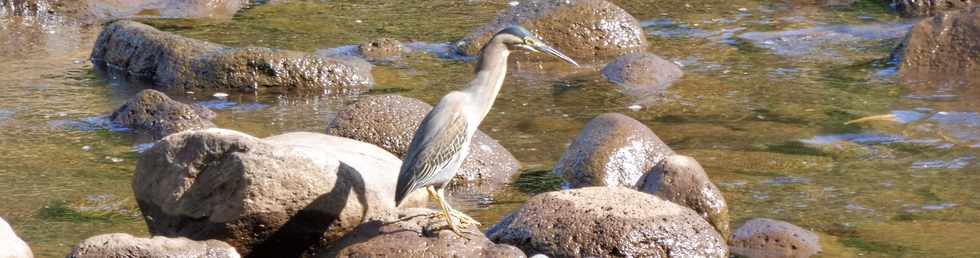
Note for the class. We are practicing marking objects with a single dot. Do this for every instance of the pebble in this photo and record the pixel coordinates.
(113, 159)
(743, 9)
(635, 108)
(86, 148)
(220, 95)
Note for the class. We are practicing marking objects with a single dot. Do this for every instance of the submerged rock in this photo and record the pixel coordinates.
(612, 150)
(92, 11)
(607, 222)
(642, 73)
(153, 112)
(417, 233)
(277, 196)
(170, 61)
(11, 246)
(390, 121)
(680, 179)
(584, 29)
(943, 48)
(767, 238)
(126, 246)
(380, 49)
(929, 7)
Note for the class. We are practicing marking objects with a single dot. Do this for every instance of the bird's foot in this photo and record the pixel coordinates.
(463, 218)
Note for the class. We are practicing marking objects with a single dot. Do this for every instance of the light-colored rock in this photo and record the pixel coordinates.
(11, 246)
(612, 150)
(417, 233)
(680, 179)
(279, 196)
(126, 246)
(381, 49)
(583, 29)
(607, 222)
(768, 238)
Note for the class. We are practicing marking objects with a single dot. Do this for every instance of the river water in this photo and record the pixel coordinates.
(767, 90)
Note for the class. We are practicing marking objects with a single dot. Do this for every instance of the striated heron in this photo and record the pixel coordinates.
(442, 140)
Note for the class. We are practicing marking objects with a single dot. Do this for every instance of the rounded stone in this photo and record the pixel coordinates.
(612, 150)
(417, 233)
(680, 179)
(126, 246)
(642, 73)
(380, 49)
(943, 48)
(768, 238)
(155, 113)
(607, 222)
(11, 246)
(583, 29)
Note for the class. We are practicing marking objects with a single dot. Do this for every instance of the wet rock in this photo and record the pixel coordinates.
(154, 113)
(839, 43)
(642, 73)
(680, 179)
(583, 29)
(607, 222)
(760, 237)
(12, 246)
(381, 49)
(126, 246)
(266, 197)
(612, 150)
(92, 11)
(928, 7)
(417, 233)
(943, 48)
(390, 121)
(169, 61)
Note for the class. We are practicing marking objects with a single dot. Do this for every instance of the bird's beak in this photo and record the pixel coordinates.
(554, 52)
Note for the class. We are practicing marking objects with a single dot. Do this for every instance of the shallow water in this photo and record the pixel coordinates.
(768, 126)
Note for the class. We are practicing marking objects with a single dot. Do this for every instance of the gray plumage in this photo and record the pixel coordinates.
(442, 140)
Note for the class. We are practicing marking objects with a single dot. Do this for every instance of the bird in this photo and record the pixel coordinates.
(441, 142)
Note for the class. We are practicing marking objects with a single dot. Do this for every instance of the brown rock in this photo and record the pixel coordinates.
(274, 197)
(642, 73)
(607, 222)
(943, 48)
(612, 150)
(767, 238)
(417, 233)
(126, 246)
(380, 49)
(680, 179)
(174, 62)
(928, 7)
(390, 121)
(583, 29)
(154, 113)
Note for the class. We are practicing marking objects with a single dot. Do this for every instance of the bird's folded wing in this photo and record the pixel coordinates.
(438, 139)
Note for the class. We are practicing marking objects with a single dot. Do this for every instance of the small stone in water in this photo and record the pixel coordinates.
(358, 21)
(743, 9)
(635, 108)
(220, 95)
(86, 148)
(513, 3)
(114, 159)
(189, 92)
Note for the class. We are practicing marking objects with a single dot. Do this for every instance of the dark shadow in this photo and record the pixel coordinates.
(306, 231)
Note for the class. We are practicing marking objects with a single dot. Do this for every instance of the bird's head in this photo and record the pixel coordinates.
(517, 37)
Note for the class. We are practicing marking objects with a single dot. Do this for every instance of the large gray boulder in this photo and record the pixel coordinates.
(390, 121)
(126, 246)
(768, 238)
(943, 48)
(929, 7)
(583, 29)
(642, 73)
(154, 113)
(11, 246)
(680, 179)
(170, 61)
(417, 233)
(612, 150)
(266, 197)
(607, 222)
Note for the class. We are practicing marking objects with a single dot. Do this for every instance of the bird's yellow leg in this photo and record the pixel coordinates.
(445, 209)
(463, 218)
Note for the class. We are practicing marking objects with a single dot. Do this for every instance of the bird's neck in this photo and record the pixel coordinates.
(490, 72)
